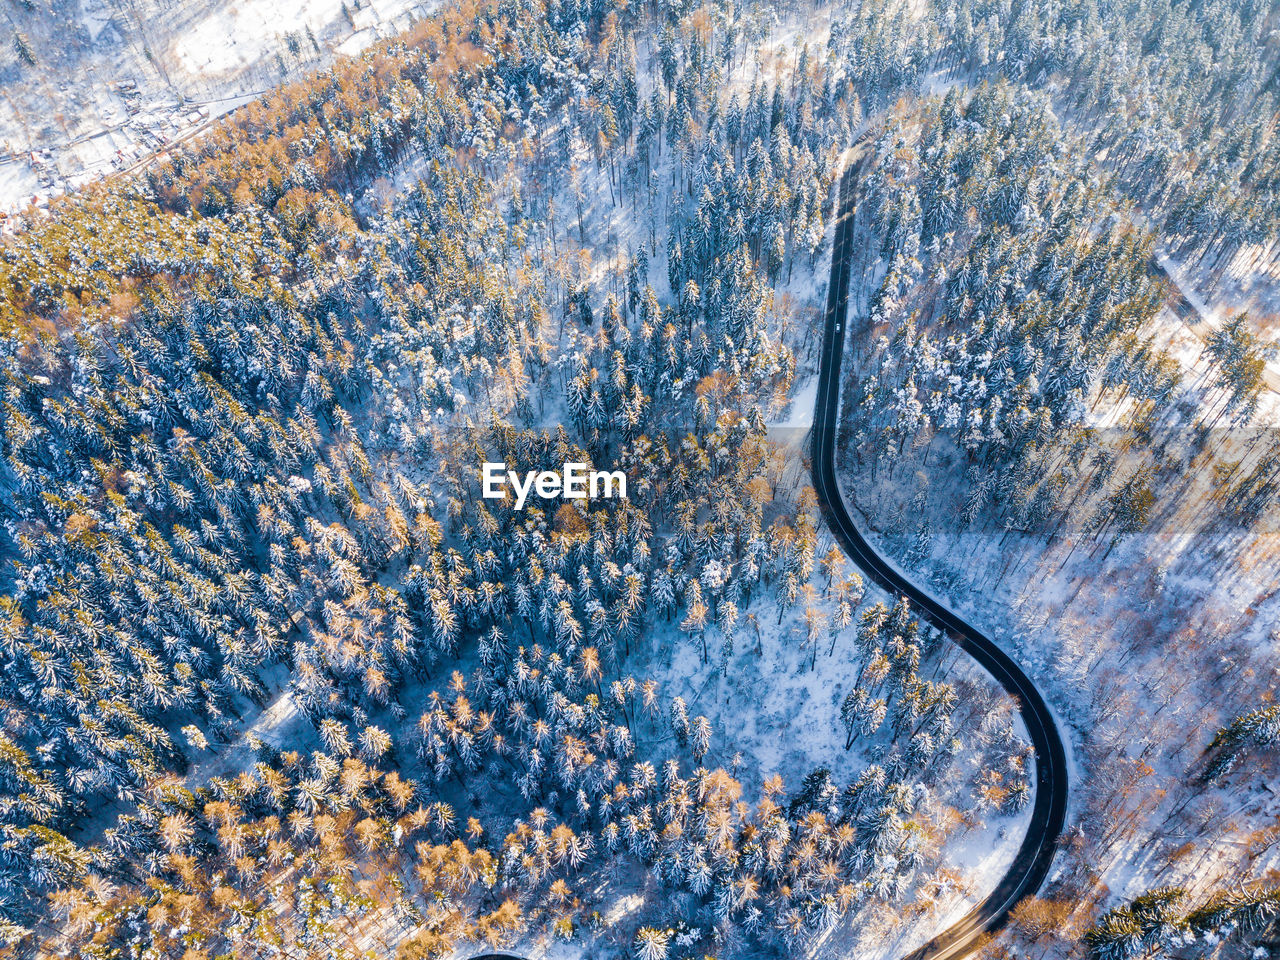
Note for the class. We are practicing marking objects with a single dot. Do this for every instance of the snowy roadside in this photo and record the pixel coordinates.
(1123, 641)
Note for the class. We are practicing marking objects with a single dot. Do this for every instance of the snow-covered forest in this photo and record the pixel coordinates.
(277, 680)
(281, 680)
(1061, 418)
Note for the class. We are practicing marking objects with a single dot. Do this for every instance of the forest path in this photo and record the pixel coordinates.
(1031, 865)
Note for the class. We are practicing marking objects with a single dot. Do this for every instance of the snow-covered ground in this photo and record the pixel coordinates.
(1247, 282)
(1202, 317)
(1144, 649)
(128, 85)
(242, 33)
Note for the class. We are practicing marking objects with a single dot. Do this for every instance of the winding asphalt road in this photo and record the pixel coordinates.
(1031, 864)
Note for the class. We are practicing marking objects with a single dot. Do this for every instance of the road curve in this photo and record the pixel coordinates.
(1031, 864)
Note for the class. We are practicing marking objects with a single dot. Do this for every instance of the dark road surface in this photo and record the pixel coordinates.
(1034, 857)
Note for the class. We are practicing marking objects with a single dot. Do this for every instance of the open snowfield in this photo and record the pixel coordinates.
(115, 84)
